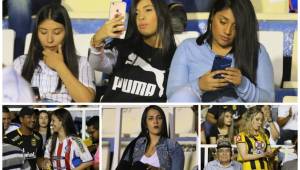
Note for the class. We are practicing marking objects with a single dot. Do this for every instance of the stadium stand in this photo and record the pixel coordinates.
(8, 46)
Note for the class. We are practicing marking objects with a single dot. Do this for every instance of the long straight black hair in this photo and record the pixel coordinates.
(37, 128)
(59, 14)
(164, 29)
(145, 131)
(67, 122)
(245, 45)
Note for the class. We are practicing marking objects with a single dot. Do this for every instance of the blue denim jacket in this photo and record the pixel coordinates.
(169, 152)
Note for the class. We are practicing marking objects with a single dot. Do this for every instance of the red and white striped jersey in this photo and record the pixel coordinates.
(68, 154)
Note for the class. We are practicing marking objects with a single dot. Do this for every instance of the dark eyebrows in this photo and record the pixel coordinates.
(223, 17)
(154, 116)
(53, 29)
(146, 6)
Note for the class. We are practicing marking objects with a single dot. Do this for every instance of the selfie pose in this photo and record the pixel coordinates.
(225, 64)
(153, 149)
(138, 66)
(51, 65)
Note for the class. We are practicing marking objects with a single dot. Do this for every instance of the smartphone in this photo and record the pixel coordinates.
(220, 63)
(118, 7)
(36, 93)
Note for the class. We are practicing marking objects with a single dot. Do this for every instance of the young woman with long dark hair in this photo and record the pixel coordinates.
(153, 149)
(223, 128)
(64, 149)
(51, 64)
(138, 66)
(43, 125)
(231, 35)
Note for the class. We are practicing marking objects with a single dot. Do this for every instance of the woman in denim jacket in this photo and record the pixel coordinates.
(153, 149)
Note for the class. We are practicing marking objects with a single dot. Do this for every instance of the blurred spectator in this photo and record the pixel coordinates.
(271, 127)
(287, 120)
(195, 5)
(189, 5)
(43, 125)
(93, 131)
(16, 88)
(215, 111)
(27, 139)
(223, 129)
(293, 164)
(224, 154)
(204, 110)
(178, 17)
(13, 158)
(8, 126)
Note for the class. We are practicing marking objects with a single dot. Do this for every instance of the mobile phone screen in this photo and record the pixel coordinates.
(118, 8)
(220, 63)
(36, 93)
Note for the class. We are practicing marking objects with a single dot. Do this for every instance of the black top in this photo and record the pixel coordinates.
(140, 73)
(30, 144)
(214, 132)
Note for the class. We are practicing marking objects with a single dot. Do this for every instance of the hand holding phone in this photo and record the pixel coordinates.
(276, 150)
(36, 93)
(118, 9)
(220, 63)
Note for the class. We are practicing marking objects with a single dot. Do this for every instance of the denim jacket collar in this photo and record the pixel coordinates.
(162, 150)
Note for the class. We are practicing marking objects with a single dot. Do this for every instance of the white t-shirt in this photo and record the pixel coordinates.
(283, 111)
(152, 160)
(272, 141)
(69, 153)
(46, 79)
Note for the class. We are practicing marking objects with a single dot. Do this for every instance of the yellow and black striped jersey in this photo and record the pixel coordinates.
(255, 145)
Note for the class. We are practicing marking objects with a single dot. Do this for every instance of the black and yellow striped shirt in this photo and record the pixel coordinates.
(255, 145)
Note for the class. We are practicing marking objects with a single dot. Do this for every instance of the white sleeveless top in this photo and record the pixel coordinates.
(152, 160)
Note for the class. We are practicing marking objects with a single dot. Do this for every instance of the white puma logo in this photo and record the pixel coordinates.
(135, 60)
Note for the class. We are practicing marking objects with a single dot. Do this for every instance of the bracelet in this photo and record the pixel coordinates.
(96, 44)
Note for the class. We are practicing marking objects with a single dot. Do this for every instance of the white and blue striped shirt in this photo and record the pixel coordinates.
(46, 79)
